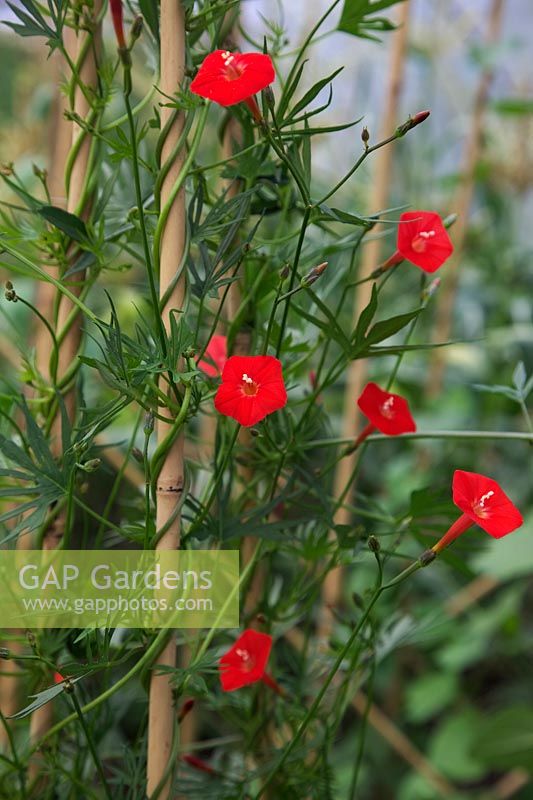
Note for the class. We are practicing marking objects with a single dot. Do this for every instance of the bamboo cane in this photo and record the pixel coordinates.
(162, 711)
(357, 370)
(86, 48)
(462, 202)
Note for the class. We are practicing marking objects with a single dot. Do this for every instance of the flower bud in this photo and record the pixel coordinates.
(412, 122)
(137, 455)
(450, 220)
(92, 465)
(314, 274)
(365, 136)
(284, 272)
(10, 294)
(136, 29)
(270, 100)
(373, 544)
(118, 24)
(148, 423)
(39, 173)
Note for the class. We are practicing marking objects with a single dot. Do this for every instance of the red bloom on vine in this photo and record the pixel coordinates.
(252, 387)
(484, 503)
(118, 24)
(58, 678)
(230, 78)
(216, 355)
(388, 413)
(423, 240)
(246, 661)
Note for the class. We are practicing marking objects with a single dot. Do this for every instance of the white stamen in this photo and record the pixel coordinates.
(227, 57)
(246, 378)
(485, 498)
(386, 408)
(426, 234)
(243, 654)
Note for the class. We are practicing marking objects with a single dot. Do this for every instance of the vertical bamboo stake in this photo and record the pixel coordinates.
(462, 202)
(86, 47)
(162, 713)
(357, 370)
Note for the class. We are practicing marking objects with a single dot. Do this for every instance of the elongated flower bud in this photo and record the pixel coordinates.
(412, 122)
(314, 274)
(118, 22)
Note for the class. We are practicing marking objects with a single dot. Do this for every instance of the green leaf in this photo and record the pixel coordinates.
(366, 316)
(505, 390)
(312, 93)
(520, 376)
(505, 740)
(336, 215)
(42, 699)
(429, 695)
(451, 747)
(66, 222)
(355, 13)
(388, 327)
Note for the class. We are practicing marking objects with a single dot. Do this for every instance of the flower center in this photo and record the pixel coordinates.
(387, 409)
(421, 241)
(232, 71)
(479, 507)
(246, 659)
(249, 386)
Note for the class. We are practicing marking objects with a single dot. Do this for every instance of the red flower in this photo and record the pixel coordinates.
(217, 354)
(483, 503)
(58, 678)
(252, 387)
(245, 662)
(116, 15)
(388, 413)
(423, 240)
(230, 78)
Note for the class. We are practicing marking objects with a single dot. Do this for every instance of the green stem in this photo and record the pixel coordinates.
(438, 434)
(292, 279)
(142, 220)
(212, 489)
(90, 742)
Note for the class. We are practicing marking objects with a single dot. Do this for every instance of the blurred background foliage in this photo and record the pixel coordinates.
(455, 663)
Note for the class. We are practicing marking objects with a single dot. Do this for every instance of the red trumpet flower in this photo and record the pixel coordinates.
(252, 387)
(216, 355)
(230, 78)
(118, 24)
(422, 240)
(388, 413)
(58, 677)
(245, 662)
(484, 503)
